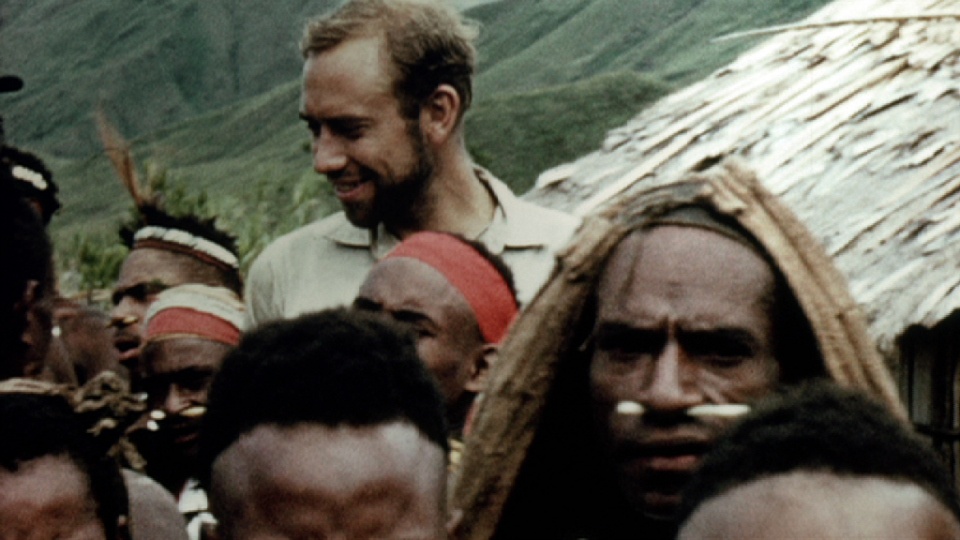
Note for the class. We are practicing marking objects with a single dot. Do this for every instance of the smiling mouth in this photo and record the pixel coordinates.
(347, 183)
(342, 186)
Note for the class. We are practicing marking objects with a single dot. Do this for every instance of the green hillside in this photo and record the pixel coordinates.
(208, 92)
(236, 153)
(531, 44)
(520, 135)
(149, 62)
(156, 63)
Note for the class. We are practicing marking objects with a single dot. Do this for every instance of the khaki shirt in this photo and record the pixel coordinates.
(323, 264)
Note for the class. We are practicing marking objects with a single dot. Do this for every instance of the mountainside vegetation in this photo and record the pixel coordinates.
(208, 90)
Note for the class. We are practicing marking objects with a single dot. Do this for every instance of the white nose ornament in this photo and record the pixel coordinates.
(630, 408)
(722, 410)
(194, 412)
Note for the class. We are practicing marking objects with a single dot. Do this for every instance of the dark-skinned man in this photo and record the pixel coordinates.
(326, 426)
(82, 343)
(821, 462)
(166, 251)
(189, 330)
(26, 325)
(706, 296)
(385, 88)
(459, 301)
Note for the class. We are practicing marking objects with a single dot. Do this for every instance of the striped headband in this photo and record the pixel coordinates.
(182, 241)
(195, 310)
(494, 304)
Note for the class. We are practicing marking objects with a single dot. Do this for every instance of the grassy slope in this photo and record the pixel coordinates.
(227, 153)
(556, 75)
(519, 135)
(151, 63)
(556, 42)
(231, 152)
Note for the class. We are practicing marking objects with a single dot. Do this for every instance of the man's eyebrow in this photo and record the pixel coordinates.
(614, 334)
(135, 290)
(309, 120)
(722, 335)
(410, 316)
(617, 328)
(139, 290)
(366, 304)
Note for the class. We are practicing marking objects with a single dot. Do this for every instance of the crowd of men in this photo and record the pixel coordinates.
(442, 359)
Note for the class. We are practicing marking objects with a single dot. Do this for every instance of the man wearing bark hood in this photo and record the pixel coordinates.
(667, 317)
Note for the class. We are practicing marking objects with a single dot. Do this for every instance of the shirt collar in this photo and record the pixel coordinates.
(511, 226)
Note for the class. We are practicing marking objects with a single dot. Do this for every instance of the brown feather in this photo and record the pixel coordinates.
(117, 149)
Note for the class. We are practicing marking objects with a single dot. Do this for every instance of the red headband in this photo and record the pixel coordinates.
(494, 305)
(182, 321)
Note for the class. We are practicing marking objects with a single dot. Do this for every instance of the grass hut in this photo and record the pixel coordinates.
(852, 118)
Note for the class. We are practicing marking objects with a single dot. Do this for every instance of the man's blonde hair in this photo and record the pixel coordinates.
(429, 44)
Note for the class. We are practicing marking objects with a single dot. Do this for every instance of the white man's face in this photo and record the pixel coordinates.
(314, 481)
(375, 158)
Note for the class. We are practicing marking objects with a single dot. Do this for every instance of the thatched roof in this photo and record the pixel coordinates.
(853, 122)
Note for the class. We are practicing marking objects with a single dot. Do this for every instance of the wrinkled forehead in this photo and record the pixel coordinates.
(146, 265)
(51, 483)
(304, 477)
(181, 353)
(681, 254)
(391, 276)
(708, 219)
(822, 504)
(339, 457)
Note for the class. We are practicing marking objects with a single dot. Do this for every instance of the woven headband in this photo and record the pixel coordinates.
(701, 218)
(182, 241)
(194, 310)
(494, 305)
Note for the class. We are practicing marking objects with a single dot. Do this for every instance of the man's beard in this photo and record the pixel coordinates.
(398, 203)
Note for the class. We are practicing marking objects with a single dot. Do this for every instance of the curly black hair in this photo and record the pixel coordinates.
(335, 367)
(11, 157)
(33, 426)
(151, 213)
(820, 427)
(29, 255)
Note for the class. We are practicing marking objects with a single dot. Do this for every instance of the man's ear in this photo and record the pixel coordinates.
(24, 305)
(440, 114)
(35, 329)
(481, 362)
(453, 524)
(210, 531)
(123, 528)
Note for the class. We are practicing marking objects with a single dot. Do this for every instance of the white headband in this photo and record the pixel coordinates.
(189, 241)
(30, 176)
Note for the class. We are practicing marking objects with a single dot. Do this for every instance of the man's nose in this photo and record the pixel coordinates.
(124, 314)
(328, 153)
(669, 385)
(176, 400)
